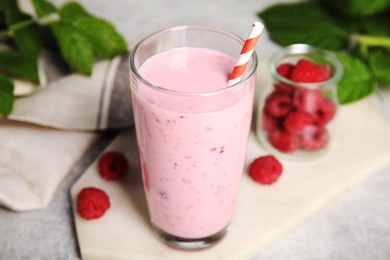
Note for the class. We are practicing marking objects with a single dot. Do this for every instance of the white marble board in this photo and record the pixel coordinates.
(263, 213)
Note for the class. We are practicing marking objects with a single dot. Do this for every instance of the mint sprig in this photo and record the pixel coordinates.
(21, 30)
(75, 47)
(6, 95)
(82, 36)
(361, 8)
(43, 7)
(380, 65)
(77, 35)
(357, 30)
(19, 65)
(305, 22)
(356, 82)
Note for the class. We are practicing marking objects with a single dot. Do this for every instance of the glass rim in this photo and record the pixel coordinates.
(301, 48)
(231, 35)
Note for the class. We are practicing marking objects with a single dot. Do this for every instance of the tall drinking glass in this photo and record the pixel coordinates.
(192, 133)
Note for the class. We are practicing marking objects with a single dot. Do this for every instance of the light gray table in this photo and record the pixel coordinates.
(357, 226)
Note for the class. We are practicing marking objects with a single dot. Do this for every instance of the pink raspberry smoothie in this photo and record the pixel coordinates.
(192, 147)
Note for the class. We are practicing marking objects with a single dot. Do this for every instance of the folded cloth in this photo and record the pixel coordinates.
(77, 102)
(34, 160)
(60, 120)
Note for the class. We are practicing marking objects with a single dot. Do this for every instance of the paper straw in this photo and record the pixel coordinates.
(246, 53)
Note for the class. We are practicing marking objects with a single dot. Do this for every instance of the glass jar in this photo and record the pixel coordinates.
(296, 112)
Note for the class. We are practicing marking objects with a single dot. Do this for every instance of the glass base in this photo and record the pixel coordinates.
(190, 243)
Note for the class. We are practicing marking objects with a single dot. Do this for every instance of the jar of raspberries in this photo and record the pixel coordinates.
(297, 111)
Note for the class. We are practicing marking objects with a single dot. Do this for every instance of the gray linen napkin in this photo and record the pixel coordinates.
(58, 123)
(77, 102)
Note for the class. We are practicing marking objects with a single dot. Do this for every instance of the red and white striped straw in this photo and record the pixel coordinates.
(246, 53)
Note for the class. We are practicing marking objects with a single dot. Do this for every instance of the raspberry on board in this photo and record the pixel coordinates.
(278, 104)
(113, 165)
(92, 203)
(265, 169)
(305, 71)
(283, 141)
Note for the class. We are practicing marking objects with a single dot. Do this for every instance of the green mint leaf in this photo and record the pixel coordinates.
(72, 10)
(7, 5)
(356, 82)
(6, 96)
(378, 25)
(50, 42)
(43, 7)
(75, 47)
(305, 22)
(20, 65)
(106, 41)
(359, 7)
(380, 65)
(28, 39)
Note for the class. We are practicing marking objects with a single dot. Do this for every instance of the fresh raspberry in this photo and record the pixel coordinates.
(268, 122)
(285, 70)
(265, 170)
(326, 112)
(283, 88)
(307, 100)
(314, 138)
(295, 122)
(305, 71)
(278, 104)
(326, 71)
(92, 203)
(283, 141)
(113, 165)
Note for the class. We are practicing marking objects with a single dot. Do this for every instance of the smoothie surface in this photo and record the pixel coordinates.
(188, 69)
